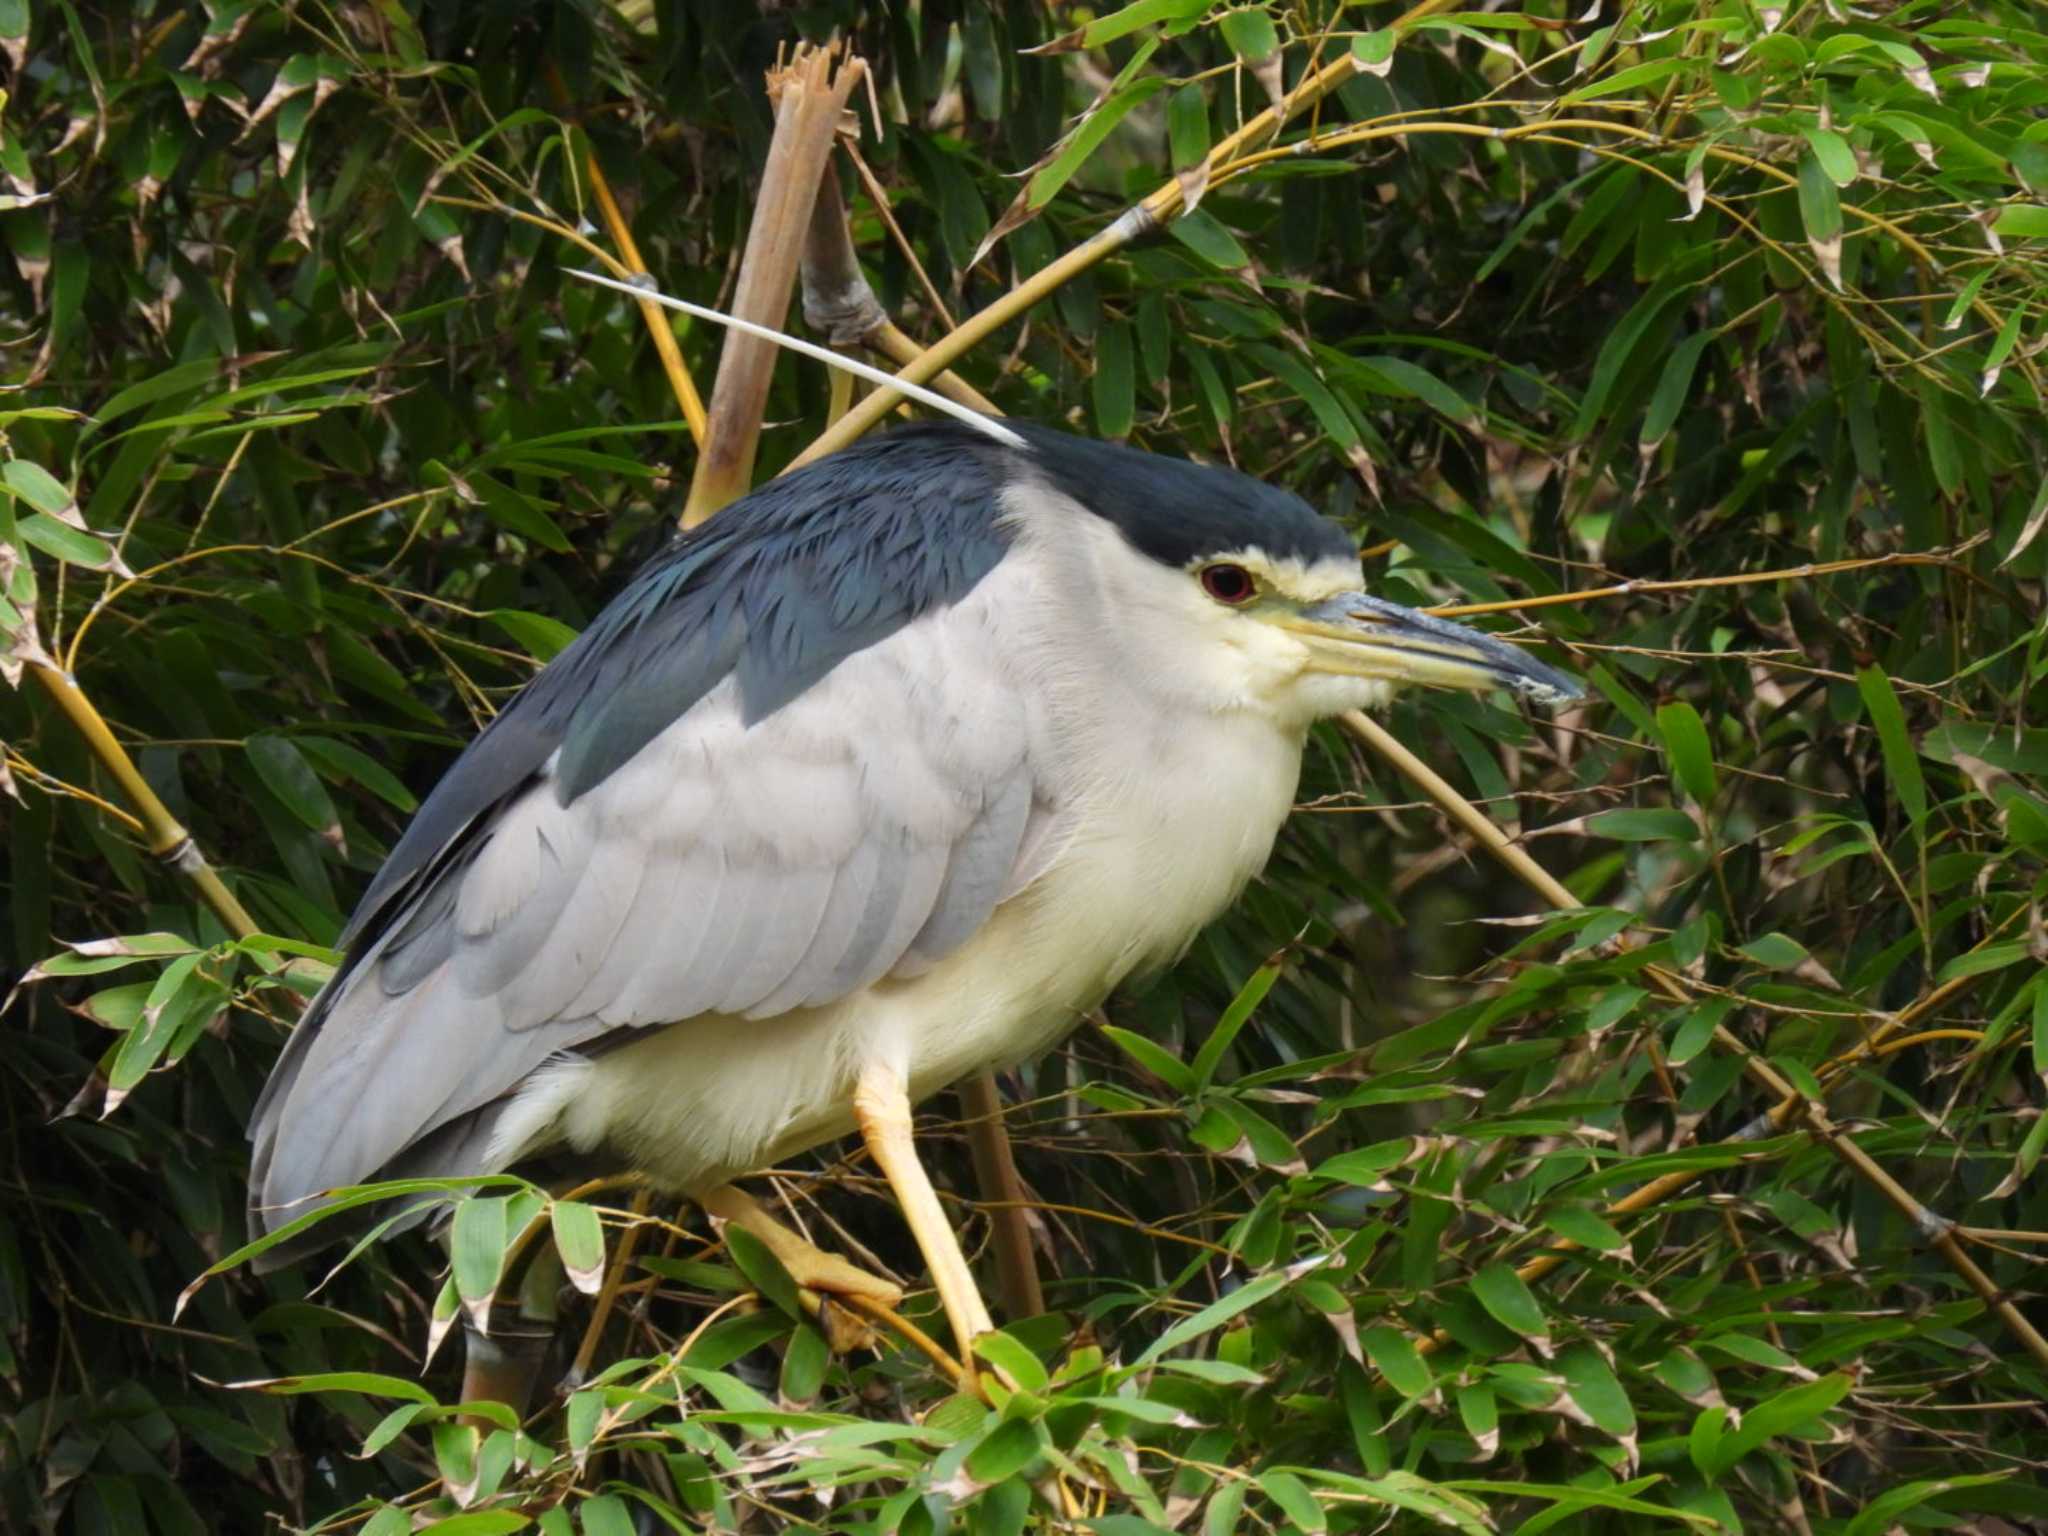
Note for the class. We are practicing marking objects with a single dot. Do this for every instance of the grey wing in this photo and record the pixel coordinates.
(867, 828)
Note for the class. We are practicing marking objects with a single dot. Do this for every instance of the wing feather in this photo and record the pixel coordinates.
(728, 867)
(810, 980)
(660, 940)
(977, 867)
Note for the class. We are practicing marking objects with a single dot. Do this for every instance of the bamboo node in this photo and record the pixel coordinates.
(1765, 1124)
(1133, 224)
(1931, 1225)
(183, 856)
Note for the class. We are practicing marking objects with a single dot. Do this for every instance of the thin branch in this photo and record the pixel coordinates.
(658, 328)
(165, 835)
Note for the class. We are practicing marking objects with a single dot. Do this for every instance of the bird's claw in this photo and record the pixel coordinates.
(823, 1279)
(845, 1330)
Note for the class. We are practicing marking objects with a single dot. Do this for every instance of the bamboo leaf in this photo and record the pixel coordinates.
(1820, 211)
(579, 1238)
(1901, 762)
(478, 1250)
(1508, 1298)
(1687, 750)
(1090, 136)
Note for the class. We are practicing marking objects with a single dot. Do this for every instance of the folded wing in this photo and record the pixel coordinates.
(867, 828)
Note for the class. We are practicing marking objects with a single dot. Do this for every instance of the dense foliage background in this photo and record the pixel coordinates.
(312, 452)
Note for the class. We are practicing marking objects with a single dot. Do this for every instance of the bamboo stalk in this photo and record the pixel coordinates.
(167, 837)
(811, 94)
(658, 328)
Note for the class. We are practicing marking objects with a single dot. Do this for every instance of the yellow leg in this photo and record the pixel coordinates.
(881, 1105)
(818, 1274)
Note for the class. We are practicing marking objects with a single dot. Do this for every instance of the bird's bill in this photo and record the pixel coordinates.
(1356, 635)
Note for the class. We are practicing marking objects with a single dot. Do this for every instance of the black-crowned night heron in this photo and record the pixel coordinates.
(888, 773)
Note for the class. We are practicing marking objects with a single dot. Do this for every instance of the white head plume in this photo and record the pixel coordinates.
(644, 288)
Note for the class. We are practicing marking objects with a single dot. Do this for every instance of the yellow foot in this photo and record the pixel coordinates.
(820, 1276)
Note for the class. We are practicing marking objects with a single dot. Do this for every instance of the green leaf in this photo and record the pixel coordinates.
(544, 638)
(1751, 1351)
(39, 488)
(1395, 1357)
(1881, 1514)
(2040, 1037)
(1634, 78)
(1479, 1411)
(1365, 1165)
(345, 761)
(285, 773)
(1234, 1019)
(1013, 1357)
(1187, 126)
(1291, 1497)
(389, 1428)
(1696, 1027)
(1298, 376)
(1591, 1384)
(515, 513)
(1250, 34)
(2021, 221)
(1508, 1298)
(177, 1000)
(1795, 1408)
(1901, 762)
(364, 1383)
(478, 1250)
(804, 1364)
(1775, 951)
(1405, 378)
(1089, 137)
(1820, 211)
(1200, 232)
(1011, 1445)
(1115, 382)
(1375, 49)
(1140, 13)
(1567, 1501)
(1832, 152)
(61, 541)
(1687, 749)
(763, 1270)
(1674, 388)
(1585, 1228)
(1215, 1315)
(1647, 320)
(479, 1522)
(1161, 1063)
(579, 1238)
(605, 1514)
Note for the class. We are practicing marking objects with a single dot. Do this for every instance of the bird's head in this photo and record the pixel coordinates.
(1252, 598)
(1327, 644)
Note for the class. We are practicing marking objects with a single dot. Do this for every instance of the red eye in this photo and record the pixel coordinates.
(1228, 583)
